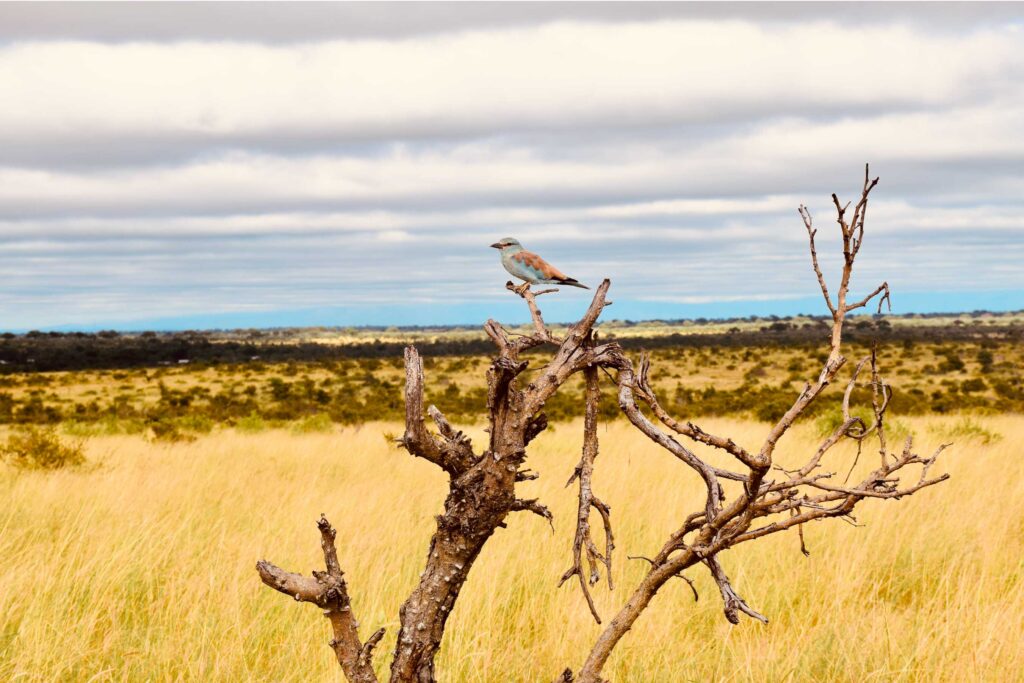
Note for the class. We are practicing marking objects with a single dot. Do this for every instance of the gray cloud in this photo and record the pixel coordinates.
(177, 160)
(95, 105)
(297, 22)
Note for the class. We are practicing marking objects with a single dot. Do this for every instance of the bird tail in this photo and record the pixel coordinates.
(572, 282)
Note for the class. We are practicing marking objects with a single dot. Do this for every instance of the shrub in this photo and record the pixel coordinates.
(169, 431)
(195, 423)
(41, 449)
(973, 384)
(952, 363)
(252, 423)
(772, 405)
(986, 360)
(108, 425)
(321, 422)
(967, 428)
(755, 373)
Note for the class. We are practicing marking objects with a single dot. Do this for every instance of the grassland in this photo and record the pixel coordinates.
(760, 381)
(140, 565)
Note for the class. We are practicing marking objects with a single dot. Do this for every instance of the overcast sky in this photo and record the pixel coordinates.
(188, 165)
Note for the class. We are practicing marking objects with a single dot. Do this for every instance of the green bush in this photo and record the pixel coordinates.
(321, 422)
(252, 423)
(828, 422)
(985, 359)
(973, 384)
(952, 363)
(967, 428)
(108, 425)
(168, 431)
(195, 423)
(41, 449)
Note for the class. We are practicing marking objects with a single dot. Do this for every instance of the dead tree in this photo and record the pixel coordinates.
(765, 498)
(481, 489)
(741, 504)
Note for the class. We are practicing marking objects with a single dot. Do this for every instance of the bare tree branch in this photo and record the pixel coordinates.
(535, 426)
(766, 507)
(583, 543)
(706, 471)
(483, 493)
(526, 475)
(688, 429)
(453, 453)
(884, 287)
(534, 506)
(329, 591)
(688, 580)
(541, 331)
(482, 486)
(733, 602)
(811, 232)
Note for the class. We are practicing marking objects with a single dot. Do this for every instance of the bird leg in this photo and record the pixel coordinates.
(523, 289)
(520, 290)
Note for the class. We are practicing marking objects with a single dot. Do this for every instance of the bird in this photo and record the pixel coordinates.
(529, 267)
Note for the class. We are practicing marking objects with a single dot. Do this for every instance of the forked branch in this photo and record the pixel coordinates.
(541, 333)
(329, 591)
(583, 542)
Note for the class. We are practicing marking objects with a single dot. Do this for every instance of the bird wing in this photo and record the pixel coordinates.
(543, 269)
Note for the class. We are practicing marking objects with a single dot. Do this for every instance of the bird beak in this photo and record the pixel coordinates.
(496, 245)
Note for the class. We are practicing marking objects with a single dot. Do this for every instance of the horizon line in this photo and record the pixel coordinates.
(426, 316)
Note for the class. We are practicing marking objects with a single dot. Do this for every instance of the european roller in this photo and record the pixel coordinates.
(529, 267)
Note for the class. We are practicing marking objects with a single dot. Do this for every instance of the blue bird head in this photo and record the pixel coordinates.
(507, 243)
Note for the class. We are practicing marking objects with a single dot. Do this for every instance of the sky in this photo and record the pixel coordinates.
(177, 166)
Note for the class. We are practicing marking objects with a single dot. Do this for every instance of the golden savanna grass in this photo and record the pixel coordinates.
(140, 566)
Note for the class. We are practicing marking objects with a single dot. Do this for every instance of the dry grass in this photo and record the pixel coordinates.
(140, 567)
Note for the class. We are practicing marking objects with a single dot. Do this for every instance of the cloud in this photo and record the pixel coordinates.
(921, 153)
(61, 95)
(303, 22)
(183, 172)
